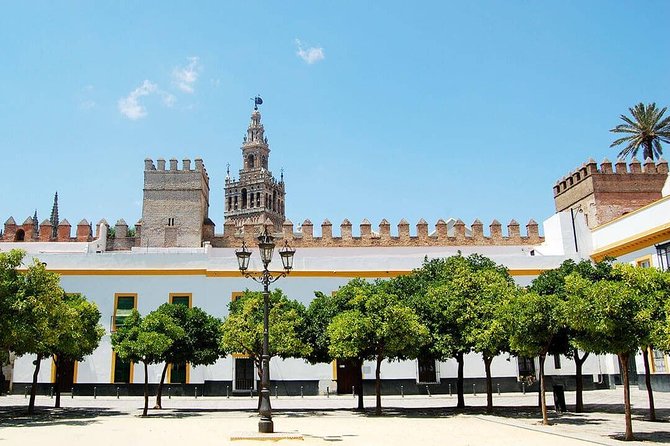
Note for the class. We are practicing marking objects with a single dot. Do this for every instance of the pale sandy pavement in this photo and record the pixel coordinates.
(212, 421)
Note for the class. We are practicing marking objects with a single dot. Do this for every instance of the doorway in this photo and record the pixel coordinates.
(347, 373)
(66, 375)
(245, 374)
(427, 370)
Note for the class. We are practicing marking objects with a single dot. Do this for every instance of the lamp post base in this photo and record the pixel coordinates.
(265, 426)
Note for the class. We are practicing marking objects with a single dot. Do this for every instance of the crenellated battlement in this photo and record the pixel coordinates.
(31, 231)
(620, 167)
(443, 233)
(173, 166)
(607, 191)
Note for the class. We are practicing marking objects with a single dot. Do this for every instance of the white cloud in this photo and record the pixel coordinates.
(132, 108)
(310, 55)
(185, 77)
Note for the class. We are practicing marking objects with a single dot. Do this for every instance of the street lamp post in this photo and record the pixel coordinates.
(266, 247)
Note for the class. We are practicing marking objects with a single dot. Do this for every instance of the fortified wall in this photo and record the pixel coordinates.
(442, 235)
(604, 193)
(30, 231)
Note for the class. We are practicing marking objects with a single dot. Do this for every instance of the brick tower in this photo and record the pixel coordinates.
(175, 207)
(257, 195)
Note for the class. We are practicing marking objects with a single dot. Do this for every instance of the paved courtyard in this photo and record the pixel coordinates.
(321, 421)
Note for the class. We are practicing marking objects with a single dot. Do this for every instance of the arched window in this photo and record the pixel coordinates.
(274, 201)
(20, 235)
(244, 198)
(230, 203)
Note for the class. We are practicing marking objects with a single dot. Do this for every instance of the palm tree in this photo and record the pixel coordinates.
(646, 129)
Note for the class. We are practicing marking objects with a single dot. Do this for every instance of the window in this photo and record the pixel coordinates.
(643, 262)
(124, 304)
(236, 295)
(526, 367)
(122, 371)
(170, 221)
(181, 299)
(557, 361)
(658, 363)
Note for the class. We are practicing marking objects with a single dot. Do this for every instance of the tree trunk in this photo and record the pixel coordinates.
(33, 388)
(648, 151)
(146, 390)
(459, 381)
(378, 386)
(579, 385)
(543, 395)
(358, 364)
(489, 383)
(58, 380)
(159, 392)
(623, 360)
(647, 382)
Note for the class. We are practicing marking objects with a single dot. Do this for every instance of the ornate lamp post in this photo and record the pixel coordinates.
(266, 246)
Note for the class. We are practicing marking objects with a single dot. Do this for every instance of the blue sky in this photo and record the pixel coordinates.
(374, 109)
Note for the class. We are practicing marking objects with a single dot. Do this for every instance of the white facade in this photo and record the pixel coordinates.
(210, 276)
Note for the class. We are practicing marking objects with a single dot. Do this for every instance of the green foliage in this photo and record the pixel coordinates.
(199, 344)
(653, 289)
(39, 311)
(81, 329)
(242, 330)
(533, 322)
(145, 339)
(9, 292)
(553, 281)
(376, 324)
(457, 299)
(608, 312)
(321, 311)
(646, 128)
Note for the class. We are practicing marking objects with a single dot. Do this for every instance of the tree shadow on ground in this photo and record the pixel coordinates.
(525, 412)
(653, 437)
(15, 416)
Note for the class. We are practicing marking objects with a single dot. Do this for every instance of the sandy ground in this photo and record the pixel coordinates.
(412, 420)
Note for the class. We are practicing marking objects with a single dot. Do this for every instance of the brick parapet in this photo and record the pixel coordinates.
(604, 192)
(382, 237)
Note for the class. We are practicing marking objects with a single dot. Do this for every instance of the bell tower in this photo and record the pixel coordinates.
(256, 195)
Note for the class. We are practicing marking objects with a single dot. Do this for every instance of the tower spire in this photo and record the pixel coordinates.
(54, 217)
(256, 195)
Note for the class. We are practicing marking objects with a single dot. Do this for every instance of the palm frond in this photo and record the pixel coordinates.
(645, 128)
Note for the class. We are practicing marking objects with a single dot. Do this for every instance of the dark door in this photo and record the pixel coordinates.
(244, 374)
(346, 376)
(66, 375)
(427, 372)
(178, 373)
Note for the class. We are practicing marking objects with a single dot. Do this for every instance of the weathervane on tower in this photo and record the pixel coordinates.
(257, 101)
